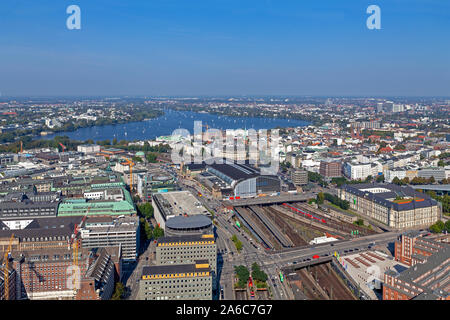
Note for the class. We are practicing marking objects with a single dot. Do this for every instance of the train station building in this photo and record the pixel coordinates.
(242, 180)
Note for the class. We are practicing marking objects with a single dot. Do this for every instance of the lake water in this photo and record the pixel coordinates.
(172, 120)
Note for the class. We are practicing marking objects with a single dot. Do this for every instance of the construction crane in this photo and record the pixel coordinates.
(130, 164)
(6, 267)
(74, 242)
(63, 147)
(21, 147)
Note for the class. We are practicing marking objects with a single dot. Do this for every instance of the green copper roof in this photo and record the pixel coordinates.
(79, 207)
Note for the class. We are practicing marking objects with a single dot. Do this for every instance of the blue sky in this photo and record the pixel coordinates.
(225, 47)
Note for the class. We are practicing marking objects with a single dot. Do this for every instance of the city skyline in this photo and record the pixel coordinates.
(224, 156)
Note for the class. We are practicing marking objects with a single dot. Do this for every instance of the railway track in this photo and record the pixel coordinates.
(334, 223)
(310, 287)
(282, 239)
(257, 228)
(320, 282)
(310, 223)
(286, 224)
(332, 285)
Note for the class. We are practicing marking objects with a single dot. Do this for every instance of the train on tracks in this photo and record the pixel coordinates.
(305, 213)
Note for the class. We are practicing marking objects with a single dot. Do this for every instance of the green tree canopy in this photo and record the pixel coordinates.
(158, 232)
(146, 210)
(320, 198)
(243, 274)
(258, 274)
(119, 291)
(447, 225)
(438, 227)
(151, 157)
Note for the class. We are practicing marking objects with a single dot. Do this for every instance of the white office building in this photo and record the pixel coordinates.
(355, 171)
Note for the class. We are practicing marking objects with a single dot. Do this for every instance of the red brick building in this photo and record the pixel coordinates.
(428, 275)
(44, 274)
(413, 248)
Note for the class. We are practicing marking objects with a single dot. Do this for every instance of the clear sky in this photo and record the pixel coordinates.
(225, 47)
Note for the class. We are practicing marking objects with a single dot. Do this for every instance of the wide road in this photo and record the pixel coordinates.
(132, 282)
(288, 257)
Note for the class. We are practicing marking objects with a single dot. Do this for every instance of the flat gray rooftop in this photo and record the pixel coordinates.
(183, 202)
(370, 270)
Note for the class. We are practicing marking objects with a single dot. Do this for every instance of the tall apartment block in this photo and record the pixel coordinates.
(176, 282)
(330, 168)
(186, 250)
(299, 177)
(111, 231)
